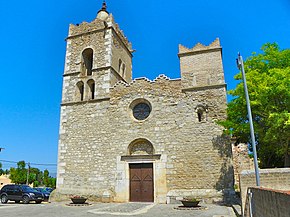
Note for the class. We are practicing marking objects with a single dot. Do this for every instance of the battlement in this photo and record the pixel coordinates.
(121, 34)
(201, 65)
(86, 27)
(159, 79)
(99, 25)
(198, 48)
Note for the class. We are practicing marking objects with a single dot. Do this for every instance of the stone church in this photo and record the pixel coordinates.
(144, 140)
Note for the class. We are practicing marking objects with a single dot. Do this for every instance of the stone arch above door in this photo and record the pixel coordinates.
(140, 147)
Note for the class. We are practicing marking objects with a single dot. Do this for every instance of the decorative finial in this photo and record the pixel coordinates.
(104, 6)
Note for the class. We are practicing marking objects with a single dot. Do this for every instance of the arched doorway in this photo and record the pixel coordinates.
(141, 174)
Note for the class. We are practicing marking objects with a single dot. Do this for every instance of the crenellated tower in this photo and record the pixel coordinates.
(201, 65)
(97, 56)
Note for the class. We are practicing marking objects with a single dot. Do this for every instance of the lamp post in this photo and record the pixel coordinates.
(240, 65)
(1, 149)
(27, 175)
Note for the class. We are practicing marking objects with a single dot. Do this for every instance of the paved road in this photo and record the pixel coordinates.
(111, 210)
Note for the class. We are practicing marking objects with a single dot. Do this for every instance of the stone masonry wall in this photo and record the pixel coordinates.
(278, 179)
(241, 161)
(268, 203)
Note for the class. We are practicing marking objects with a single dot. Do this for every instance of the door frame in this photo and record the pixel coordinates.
(122, 184)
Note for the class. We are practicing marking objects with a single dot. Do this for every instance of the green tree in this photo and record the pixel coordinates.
(38, 178)
(19, 175)
(48, 181)
(34, 175)
(52, 182)
(268, 81)
(46, 177)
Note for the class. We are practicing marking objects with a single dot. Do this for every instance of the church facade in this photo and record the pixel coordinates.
(147, 140)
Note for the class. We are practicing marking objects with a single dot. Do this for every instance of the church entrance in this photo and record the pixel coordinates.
(141, 182)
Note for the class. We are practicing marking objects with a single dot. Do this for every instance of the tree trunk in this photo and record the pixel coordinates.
(286, 160)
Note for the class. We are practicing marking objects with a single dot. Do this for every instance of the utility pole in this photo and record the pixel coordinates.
(27, 177)
(240, 64)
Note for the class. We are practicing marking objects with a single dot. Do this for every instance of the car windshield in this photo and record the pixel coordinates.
(27, 188)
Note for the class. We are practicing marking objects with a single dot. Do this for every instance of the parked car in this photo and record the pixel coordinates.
(45, 193)
(19, 193)
(48, 189)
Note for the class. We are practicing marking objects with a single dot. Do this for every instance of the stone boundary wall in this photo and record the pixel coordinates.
(267, 203)
(278, 179)
(241, 161)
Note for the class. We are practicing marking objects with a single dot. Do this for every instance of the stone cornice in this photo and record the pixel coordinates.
(140, 157)
(199, 51)
(93, 70)
(85, 101)
(117, 74)
(70, 74)
(205, 87)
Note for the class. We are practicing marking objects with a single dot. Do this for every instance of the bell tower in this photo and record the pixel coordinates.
(97, 56)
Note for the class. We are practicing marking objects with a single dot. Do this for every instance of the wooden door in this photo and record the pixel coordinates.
(141, 182)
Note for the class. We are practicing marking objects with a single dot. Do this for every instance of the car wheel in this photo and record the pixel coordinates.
(25, 199)
(17, 201)
(38, 201)
(4, 199)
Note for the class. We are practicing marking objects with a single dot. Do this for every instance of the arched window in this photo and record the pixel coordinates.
(120, 66)
(80, 91)
(91, 84)
(201, 113)
(87, 62)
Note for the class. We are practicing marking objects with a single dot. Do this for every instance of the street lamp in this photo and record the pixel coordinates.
(27, 175)
(1, 149)
(240, 65)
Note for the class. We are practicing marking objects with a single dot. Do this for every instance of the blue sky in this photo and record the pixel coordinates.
(33, 51)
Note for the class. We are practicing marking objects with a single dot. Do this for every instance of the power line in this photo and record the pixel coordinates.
(44, 164)
(8, 161)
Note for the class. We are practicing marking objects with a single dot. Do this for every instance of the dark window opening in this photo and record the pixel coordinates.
(80, 94)
(93, 90)
(91, 84)
(87, 61)
(120, 64)
(199, 114)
